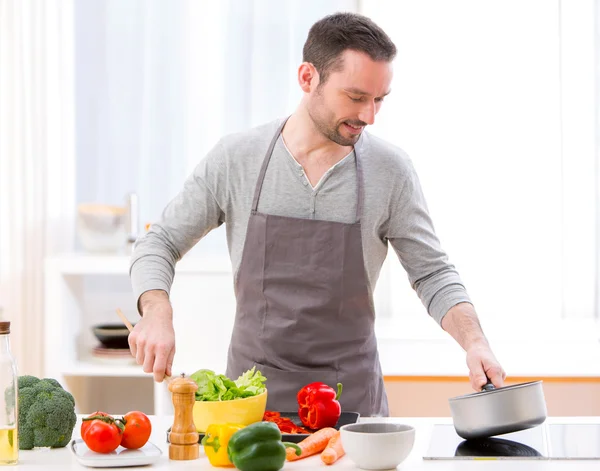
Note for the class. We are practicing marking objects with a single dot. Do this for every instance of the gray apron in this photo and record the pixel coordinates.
(304, 309)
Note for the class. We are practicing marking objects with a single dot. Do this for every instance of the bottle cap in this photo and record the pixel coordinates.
(4, 327)
(183, 384)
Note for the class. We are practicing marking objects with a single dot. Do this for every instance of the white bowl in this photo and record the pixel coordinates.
(377, 445)
(101, 228)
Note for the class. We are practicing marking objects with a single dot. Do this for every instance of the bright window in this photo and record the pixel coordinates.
(495, 103)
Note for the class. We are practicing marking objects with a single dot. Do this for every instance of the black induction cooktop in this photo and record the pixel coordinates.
(447, 444)
(546, 441)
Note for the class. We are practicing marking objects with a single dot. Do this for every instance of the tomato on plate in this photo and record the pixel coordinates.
(102, 433)
(85, 424)
(137, 430)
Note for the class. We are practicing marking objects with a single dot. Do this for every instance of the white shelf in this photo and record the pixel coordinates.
(203, 288)
(100, 264)
(92, 368)
(82, 264)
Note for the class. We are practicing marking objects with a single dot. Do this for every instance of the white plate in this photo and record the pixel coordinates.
(121, 457)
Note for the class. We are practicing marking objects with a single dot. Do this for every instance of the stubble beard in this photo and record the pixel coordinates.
(331, 132)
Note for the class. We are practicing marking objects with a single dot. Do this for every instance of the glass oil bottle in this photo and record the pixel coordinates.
(9, 443)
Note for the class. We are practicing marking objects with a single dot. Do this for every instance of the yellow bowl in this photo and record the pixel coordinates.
(238, 411)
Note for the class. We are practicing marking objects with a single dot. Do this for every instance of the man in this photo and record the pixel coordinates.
(310, 204)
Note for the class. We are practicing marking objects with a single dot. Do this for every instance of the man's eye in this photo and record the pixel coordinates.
(379, 99)
(356, 100)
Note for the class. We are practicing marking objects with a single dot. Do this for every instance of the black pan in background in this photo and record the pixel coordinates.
(112, 335)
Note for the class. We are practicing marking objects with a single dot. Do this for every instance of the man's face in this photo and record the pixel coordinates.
(350, 98)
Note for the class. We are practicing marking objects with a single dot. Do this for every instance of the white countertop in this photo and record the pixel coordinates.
(62, 459)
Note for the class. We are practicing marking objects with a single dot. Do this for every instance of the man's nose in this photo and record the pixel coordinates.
(367, 114)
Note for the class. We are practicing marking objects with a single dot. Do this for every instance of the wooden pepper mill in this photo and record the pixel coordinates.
(184, 436)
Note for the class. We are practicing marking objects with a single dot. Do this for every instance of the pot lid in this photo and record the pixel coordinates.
(495, 390)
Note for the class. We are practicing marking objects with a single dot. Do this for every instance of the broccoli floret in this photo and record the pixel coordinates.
(46, 413)
(27, 381)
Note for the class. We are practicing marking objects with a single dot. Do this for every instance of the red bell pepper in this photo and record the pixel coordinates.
(318, 405)
(285, 424)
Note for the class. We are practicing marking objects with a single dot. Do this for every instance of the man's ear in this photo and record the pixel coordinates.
(308, 77)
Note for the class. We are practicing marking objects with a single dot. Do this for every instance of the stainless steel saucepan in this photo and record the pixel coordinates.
(495, 411)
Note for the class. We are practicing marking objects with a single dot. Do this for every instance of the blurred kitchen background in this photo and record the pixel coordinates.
(107, 105)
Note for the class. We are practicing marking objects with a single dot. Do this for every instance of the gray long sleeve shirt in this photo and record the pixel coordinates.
(221, 189)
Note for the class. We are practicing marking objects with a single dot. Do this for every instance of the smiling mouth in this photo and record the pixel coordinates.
(353, 129)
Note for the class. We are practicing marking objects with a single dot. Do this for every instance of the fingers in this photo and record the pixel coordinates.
(483, 366)
(169, 369)
(148, 362)
(478, 378)
(496, 375)
(163, 353)
(132, 340)
(152, 343)
(155, 358)
(477, 375)
(140, 351)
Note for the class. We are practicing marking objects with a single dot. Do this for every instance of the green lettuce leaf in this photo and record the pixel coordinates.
(214, 387)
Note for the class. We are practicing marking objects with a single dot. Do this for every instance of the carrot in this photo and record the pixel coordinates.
(334, 449)
(312, 444)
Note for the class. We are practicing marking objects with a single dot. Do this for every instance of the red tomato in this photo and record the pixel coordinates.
(137, 430)
(103, 435)
(85, 424)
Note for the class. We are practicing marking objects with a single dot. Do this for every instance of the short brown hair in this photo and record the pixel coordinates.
(329, 37)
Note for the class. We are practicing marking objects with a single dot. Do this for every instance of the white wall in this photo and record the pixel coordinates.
(158, 83)
(491, 100)
(130, 102)
(486, 101)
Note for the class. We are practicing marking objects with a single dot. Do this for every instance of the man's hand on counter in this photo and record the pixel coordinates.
(152, 340)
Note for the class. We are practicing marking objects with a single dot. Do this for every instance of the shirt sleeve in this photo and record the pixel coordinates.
(412, 235)
(193, 213)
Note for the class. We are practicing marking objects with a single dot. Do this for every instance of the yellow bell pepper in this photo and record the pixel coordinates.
(215, 443)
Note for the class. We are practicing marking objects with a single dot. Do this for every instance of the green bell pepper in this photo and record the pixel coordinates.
(258, 447)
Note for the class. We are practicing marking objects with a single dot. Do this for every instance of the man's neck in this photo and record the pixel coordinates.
(308, 145)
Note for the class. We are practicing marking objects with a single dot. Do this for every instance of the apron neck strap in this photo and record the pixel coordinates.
(267, 159)
(265, 164)
(359, 184)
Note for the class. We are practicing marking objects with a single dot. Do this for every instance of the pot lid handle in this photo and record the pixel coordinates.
(488, 386)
